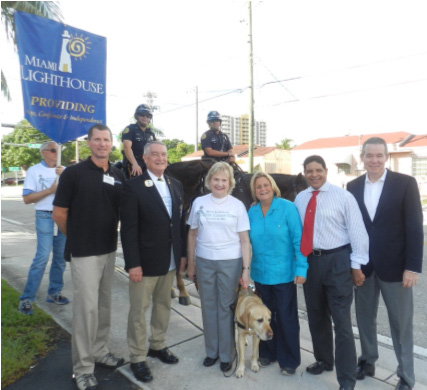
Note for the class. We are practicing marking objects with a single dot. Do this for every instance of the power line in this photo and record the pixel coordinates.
(351, 91)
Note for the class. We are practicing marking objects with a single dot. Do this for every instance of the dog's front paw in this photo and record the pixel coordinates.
(255, 367)
(240, 372)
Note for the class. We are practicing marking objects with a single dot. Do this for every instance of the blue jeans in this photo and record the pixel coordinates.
(46, 242)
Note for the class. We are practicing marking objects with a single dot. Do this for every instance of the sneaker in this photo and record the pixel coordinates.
(86, 382)
(26, 307)
(287, 371)
(110, 361)
(264, 362)
(59, 299)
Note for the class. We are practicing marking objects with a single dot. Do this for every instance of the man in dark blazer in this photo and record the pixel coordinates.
(391, 209)
(152, 234)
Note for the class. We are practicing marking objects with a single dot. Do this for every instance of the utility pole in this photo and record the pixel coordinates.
(251, 95)
(197, 118)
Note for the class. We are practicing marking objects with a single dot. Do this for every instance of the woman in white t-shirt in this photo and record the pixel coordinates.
(219, 240)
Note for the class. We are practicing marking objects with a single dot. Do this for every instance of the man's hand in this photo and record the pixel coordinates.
(136, 170)
(358, 277)
(299, 280)
(182, 264)
(135, 274)
(191, 270)
(53, 187)
(409, 279)
(59, 170)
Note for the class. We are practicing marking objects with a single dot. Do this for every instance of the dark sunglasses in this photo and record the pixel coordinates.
(51, 150)
(149, 116)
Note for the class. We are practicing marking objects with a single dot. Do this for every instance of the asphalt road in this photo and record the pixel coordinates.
(14, 210)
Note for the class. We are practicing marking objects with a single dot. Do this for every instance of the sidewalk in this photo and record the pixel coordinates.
(185, 339)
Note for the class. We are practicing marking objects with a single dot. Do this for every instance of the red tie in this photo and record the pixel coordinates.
(307, 231)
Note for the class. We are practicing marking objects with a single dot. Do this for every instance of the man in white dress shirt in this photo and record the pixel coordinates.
(340, 246)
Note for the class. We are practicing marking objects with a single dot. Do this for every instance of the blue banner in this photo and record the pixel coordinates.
(63, 71)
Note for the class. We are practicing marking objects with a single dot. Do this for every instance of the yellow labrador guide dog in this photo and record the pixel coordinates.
(253, 319)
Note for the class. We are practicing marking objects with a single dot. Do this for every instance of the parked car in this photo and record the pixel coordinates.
(12, 181)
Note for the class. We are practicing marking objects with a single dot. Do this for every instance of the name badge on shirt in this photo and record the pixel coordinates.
(108, 179)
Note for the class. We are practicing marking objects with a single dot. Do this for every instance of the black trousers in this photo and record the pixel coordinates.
(329, 294)
(281, 299)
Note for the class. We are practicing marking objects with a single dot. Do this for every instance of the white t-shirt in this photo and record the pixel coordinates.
(40, 177)
(218, 226)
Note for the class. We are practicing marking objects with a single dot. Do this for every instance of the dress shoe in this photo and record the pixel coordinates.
(164, 355)
(141, 371)
(225, 366)
(208, 362)
(365, 369)
(318, 367)
(402, 385)
(346, 388)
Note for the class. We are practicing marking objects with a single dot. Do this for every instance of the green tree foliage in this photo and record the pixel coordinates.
(177, 149)
(22, 156)
(286, 144)
(48, 9)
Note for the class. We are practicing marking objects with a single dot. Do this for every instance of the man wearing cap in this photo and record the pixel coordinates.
(40, 188)
(215, 143)
(134, 138)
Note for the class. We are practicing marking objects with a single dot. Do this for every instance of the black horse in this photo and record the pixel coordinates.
(192, 175)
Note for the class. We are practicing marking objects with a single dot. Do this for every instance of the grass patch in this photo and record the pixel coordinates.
(24, 339)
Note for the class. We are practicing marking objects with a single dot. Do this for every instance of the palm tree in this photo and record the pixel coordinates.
(47, 9)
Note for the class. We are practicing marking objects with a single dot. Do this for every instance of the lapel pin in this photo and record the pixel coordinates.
(148, 183)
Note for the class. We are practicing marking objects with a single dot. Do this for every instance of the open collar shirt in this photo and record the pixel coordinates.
(372, 194)
(338, 222)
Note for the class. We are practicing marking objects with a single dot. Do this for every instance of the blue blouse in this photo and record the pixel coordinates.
(275, 239)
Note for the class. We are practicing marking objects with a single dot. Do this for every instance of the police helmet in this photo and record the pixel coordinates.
(143, 109)
(214, 116)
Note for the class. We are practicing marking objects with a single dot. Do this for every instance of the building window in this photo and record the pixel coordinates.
(419, 166)
(344, 168)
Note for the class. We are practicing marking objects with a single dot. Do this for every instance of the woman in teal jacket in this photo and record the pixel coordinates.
(277, 267)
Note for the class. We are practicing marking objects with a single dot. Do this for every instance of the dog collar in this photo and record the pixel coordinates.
(241, 326)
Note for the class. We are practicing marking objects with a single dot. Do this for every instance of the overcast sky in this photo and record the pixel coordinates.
(351, 67)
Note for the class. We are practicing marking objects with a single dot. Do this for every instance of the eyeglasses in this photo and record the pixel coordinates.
(51, 150)
(149, 116)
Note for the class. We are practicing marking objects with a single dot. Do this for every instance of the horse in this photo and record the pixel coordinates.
(192, 175)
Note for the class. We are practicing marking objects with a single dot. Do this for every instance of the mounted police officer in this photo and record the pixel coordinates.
(134, 138)
(215, 143)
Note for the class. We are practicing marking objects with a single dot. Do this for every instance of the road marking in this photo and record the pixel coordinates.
(11, 221)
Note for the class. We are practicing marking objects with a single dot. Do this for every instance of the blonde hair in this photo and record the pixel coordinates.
(269, 178)
(220, 167)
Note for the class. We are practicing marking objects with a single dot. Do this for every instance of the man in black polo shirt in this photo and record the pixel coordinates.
(215, 143)
(134, 138)
(86, 209)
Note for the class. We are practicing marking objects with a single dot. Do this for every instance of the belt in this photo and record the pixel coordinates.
(321, 252)
(46, 211)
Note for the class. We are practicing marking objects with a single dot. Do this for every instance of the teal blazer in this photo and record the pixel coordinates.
(276, 239)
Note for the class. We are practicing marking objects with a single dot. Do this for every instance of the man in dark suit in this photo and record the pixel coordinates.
(391, 209)
(152, 234)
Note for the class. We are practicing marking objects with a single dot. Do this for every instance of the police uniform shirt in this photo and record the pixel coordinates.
(219, 142)
(138, 138)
